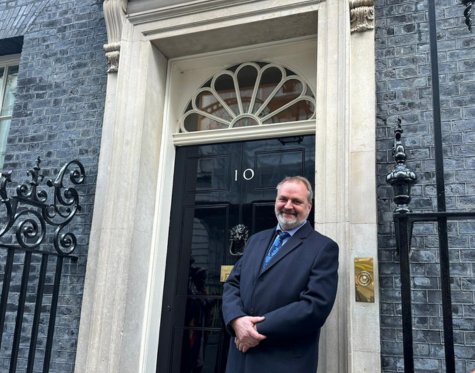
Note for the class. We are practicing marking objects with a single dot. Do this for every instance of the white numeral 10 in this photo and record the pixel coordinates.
(248, 174)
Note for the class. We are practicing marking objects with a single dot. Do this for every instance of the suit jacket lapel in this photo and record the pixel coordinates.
(261, 250)
(290, 245)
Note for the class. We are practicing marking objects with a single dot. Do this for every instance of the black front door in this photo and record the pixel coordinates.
(216, 187)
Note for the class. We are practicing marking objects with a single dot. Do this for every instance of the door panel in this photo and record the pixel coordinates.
(208, 244)
(215, 188)
(262, 216)
(189, 358)
(211, 174)
(272, 166)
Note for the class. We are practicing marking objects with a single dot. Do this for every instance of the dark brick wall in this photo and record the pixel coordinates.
(57, 115)
(404, 90)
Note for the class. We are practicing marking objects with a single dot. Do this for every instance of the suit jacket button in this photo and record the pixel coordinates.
(251, 311)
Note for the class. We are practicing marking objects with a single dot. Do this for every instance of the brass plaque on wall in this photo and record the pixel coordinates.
(225, 272)
(364, 280)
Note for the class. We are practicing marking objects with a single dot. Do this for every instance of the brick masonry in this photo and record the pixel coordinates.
(404, 90)
(57, 115)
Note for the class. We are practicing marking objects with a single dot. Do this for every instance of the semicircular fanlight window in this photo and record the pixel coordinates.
(250, 94)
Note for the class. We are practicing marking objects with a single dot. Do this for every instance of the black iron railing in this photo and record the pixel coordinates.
(35, 222)
(401, 180)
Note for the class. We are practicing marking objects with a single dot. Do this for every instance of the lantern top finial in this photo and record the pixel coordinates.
(399, 152)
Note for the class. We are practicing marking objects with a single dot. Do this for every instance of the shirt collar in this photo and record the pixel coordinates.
(293, 231)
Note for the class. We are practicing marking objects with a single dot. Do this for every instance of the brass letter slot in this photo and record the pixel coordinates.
(364, 280)
(225, 272)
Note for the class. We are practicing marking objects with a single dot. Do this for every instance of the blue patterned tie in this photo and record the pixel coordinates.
(279, 240)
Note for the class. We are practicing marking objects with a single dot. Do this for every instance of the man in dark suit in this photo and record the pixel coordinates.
(280, 293)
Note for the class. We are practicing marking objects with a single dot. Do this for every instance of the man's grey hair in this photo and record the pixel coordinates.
(298, 179)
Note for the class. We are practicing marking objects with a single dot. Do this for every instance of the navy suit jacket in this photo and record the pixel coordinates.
(295, 294)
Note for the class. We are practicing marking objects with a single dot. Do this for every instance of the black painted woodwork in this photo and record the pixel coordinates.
(210, 196)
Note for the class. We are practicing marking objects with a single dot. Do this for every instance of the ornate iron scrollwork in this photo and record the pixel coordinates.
(30, 212)
(468, 13)
(238, 236)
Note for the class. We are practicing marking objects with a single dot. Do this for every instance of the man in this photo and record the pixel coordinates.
(280, 293)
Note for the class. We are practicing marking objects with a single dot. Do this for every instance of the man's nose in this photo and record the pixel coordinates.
(288, 205)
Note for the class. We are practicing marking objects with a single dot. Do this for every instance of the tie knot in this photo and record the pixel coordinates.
(283, 235)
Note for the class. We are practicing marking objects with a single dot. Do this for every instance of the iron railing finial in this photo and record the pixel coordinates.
(401, 178)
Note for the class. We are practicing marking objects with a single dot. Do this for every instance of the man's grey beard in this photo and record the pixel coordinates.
(288, 225)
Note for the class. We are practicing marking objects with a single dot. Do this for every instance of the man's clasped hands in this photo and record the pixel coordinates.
(247, 335)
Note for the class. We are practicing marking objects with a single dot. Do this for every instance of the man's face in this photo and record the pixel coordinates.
(291, 205)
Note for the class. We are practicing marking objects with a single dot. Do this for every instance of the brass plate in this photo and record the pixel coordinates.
(364, 280)
(225, 272)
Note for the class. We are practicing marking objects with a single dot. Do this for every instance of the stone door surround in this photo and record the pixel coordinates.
(128, 243)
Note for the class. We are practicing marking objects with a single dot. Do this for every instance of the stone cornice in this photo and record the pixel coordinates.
(361, 15)
(114, 13)
(202, 6)
(184, 9)
(244, 133)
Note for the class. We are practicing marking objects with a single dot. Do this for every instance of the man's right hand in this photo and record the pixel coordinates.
(247, 335)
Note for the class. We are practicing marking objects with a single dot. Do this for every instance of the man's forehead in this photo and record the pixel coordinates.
(296, 183)
(287, 190)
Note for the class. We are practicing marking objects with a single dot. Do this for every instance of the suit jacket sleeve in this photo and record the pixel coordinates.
(310, 312)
